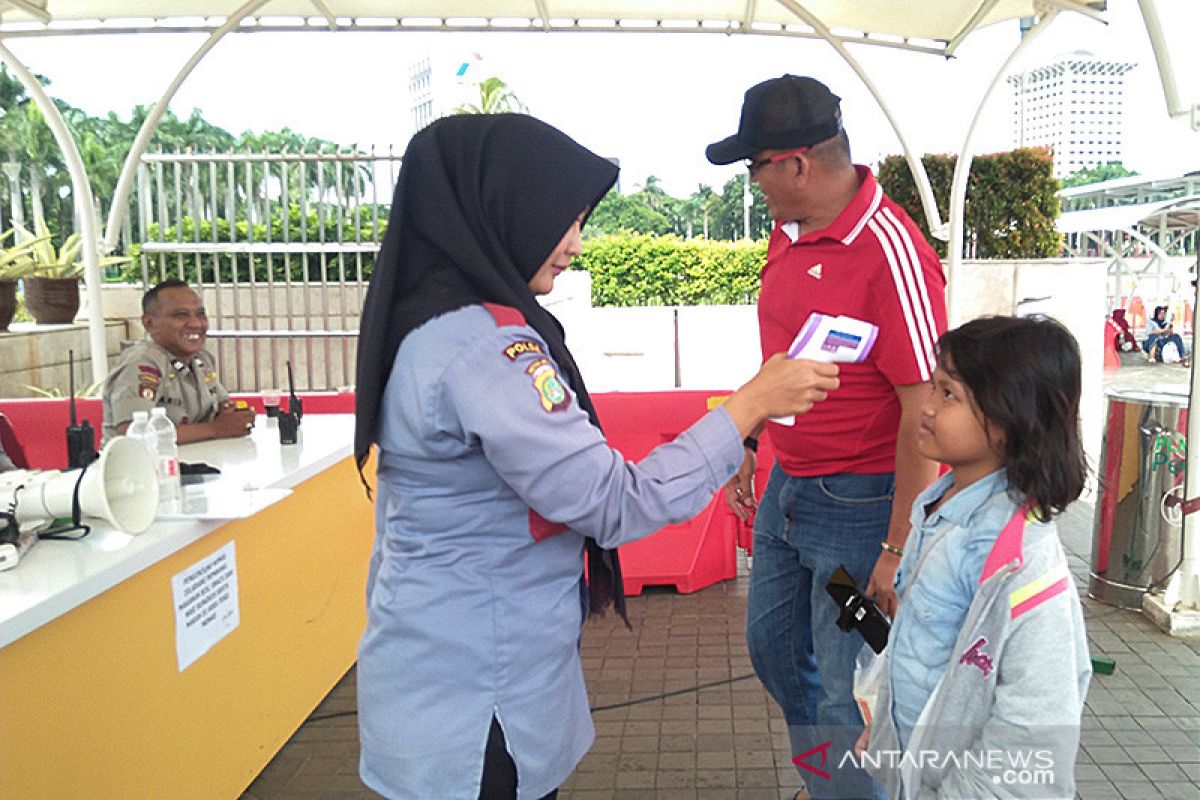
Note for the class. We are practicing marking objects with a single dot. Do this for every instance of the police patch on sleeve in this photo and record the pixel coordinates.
(550, 390)
(148, 381)
(523, 347)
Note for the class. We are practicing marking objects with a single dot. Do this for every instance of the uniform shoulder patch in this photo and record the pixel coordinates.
(504, 315)
(149, 378)
(523, 347)
(551, 391)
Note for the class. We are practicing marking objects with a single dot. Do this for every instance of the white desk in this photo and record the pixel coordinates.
(56, 576)
(87, 632)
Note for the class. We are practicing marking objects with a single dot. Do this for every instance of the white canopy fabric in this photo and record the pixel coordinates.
(937, 26)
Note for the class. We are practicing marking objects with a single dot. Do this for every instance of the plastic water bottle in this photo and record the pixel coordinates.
(139, 431)
(162, 433)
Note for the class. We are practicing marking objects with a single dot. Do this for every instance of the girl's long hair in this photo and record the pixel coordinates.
(1024, 376)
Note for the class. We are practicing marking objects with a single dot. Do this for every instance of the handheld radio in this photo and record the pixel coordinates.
(81, 439)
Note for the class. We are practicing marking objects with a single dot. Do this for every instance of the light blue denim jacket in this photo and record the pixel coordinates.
(1003, 718)
(953, 542)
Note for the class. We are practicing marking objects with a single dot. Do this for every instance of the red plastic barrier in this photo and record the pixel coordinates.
(689, 556)
(40, 424)
(314, 402)
(696, 553)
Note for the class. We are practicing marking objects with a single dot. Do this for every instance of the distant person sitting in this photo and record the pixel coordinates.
(1160, 334)
(171, 368)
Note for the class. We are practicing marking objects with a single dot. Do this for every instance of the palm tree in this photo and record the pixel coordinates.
(494, 98)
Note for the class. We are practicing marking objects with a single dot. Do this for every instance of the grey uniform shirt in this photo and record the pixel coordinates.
(490, 475)
(146, 376)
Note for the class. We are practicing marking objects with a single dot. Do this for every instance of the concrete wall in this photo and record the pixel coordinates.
(36, 355)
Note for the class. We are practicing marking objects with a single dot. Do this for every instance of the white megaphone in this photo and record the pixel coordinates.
(119, 487)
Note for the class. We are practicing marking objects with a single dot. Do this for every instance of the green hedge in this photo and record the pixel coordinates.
(356, 226)
(1011, 202)
(648, 270)
(627, 269)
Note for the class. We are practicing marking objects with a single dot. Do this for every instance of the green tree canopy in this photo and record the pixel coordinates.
(494, 98)
(1011, 201)
(1101, 172)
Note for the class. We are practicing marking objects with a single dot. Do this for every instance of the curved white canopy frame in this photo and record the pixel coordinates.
(907, 24)
(85, 207)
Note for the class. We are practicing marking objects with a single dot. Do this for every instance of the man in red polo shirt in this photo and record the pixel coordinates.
(848, 471)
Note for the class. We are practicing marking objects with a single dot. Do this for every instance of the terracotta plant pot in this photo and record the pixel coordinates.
(8, 303)
(52, 301)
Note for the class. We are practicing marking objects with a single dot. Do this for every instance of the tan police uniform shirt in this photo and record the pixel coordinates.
(146, 376)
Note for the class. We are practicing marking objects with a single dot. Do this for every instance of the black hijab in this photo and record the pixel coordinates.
(481, 202)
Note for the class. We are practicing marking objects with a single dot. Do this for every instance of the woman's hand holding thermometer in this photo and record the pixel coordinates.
(832, 340)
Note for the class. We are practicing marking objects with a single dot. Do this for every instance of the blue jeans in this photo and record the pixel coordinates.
(1154, 342)
(803, 530)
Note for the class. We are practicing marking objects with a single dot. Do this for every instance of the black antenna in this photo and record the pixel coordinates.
(71, 368)
(295, 407)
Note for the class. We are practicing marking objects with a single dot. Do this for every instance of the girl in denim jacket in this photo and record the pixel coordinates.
(987, 664)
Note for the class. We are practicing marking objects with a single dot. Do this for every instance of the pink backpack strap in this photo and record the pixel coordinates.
(1009, 545)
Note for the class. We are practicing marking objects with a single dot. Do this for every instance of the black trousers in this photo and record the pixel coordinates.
(499, 771)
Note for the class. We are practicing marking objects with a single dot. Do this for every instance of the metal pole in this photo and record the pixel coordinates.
(1166, 70)
(747, 202)
(125, 182)
(1185, 585)
(962, 169)
(936, 227)
(85, 208)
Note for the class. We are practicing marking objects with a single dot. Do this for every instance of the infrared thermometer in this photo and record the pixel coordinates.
(833, 340)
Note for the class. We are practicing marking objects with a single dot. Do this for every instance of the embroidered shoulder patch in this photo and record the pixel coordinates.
(550, 390)
(523, 347)
(149, 378)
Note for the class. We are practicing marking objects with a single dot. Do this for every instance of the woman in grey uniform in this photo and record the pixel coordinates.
(494, 478)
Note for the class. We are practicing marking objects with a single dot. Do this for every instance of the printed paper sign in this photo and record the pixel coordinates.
(206, 604)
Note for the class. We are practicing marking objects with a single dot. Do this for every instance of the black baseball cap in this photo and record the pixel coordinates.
(790, 111)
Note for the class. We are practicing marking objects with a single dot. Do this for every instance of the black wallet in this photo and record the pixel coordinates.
(858, 612)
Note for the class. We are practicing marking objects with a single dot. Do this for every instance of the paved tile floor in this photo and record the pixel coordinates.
(679, 715)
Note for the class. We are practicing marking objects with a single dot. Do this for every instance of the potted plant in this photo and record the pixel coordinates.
(52, 280)
(14, 265)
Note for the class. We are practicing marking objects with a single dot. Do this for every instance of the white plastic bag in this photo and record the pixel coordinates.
(1170, 353)
(869, 675)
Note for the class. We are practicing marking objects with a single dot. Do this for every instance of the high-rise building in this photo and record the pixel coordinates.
(438, 84)
(1074, 105)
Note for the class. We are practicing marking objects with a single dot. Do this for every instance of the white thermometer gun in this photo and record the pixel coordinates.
(833, 340)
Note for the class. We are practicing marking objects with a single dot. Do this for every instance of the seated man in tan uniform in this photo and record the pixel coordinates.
(171, 368)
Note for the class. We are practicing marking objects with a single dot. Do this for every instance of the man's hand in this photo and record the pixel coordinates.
(739, 492)
(232, 422)
(881, 585)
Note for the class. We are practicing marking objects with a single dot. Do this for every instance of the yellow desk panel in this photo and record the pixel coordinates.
(94, 705)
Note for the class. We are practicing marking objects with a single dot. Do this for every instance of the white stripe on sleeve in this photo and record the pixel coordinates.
(898, 263)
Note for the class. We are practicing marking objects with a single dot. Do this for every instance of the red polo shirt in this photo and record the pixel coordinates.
(872, 263)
